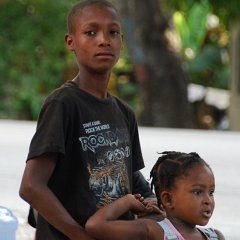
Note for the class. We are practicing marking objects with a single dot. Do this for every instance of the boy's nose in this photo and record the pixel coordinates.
(104, 39)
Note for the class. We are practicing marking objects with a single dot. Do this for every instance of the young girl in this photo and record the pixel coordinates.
(184, 185)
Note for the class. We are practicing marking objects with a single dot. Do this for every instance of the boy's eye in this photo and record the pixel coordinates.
(90, 33)
(114, 32)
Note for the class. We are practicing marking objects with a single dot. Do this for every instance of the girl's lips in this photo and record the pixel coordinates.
(207, 214)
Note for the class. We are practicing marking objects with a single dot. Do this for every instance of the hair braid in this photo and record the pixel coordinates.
(169, 166)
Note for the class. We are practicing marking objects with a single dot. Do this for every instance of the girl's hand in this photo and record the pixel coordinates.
(151, 205)
(141, 207)
(136, 204)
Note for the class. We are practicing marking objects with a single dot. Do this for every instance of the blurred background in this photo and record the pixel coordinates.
(179, 67)
(179, 71)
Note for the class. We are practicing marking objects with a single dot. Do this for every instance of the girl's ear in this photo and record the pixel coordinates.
(166, 199)
(69, 42)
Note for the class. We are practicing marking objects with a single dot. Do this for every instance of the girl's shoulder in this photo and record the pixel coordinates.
(212, 234)
(170, 232)
(220, 235)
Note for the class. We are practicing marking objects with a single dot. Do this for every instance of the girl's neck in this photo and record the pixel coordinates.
(188, 231)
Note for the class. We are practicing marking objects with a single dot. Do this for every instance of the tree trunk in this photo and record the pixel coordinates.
(234, 109)
(164, 86)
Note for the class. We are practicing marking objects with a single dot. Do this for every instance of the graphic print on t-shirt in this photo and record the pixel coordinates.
(108, 175)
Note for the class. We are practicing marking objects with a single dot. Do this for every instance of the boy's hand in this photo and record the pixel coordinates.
(139, 197)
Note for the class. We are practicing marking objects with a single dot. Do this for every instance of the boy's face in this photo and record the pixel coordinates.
(97, 39)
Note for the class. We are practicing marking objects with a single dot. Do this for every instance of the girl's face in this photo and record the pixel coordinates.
(192, 197)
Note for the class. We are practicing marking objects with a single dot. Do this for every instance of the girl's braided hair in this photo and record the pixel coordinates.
(169, 166)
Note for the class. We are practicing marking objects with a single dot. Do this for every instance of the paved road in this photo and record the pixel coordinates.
(220, 149)
(14, 141)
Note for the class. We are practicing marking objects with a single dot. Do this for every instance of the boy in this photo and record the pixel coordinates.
(86, 151)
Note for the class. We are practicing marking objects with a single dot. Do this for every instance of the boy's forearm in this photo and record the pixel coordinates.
(34, 190)
(49, 207)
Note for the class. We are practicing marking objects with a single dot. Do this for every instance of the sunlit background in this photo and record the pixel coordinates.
(179, 67)
(179, 70)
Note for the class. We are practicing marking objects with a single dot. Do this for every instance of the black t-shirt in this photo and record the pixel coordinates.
(98, 145)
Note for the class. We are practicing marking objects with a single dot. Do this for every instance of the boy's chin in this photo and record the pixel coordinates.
(102, 70)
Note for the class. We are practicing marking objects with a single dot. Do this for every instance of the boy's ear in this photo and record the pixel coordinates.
(122, 41)
(166, 199)
(69, 42)
(122, 36)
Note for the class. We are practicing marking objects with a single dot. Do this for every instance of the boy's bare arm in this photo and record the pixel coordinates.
(35, 191)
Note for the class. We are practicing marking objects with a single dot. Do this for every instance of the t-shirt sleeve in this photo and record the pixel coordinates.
(50, 132)
(137, 157)
(141, 185)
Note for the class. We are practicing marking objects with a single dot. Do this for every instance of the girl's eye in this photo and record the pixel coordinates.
(197, 192)
(211, 193)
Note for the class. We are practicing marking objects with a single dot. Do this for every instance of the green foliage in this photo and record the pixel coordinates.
(203, 48)
(34, 59)
(208, 68)
(33, 56)
(123, 82)
(191, 26)
(227, 10)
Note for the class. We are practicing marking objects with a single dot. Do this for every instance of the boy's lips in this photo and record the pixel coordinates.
(104, 55)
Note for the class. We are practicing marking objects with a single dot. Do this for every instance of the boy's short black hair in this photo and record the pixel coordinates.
(77, 8)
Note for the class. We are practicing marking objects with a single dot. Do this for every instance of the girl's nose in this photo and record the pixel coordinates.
(207, 199)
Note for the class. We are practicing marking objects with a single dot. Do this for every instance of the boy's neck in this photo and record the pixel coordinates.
(96, 85)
